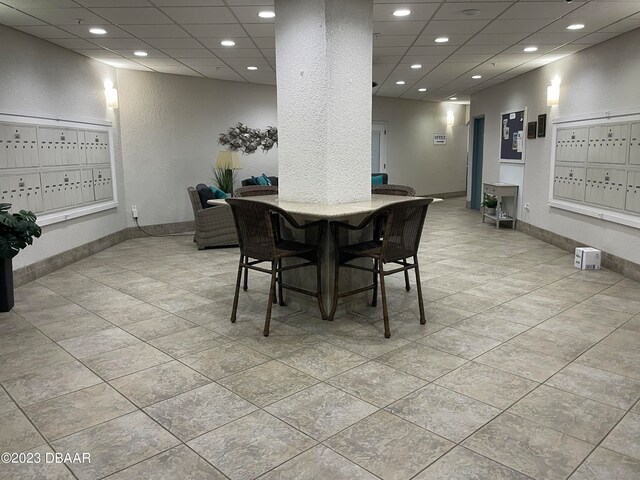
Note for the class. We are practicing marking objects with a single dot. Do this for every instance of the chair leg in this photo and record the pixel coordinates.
(374, 300)
(336, 278)
(423, 320)
(280, 296)
(323, 312)
(407, 286)
(385, 312)
(272, 293)
(246, 277)
(234, 310)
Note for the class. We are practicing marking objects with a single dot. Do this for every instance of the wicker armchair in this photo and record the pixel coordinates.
(214, 225)
(399, 190)
(404, 223)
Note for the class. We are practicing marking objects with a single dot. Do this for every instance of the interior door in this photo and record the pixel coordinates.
(378, 147)
(476, 166)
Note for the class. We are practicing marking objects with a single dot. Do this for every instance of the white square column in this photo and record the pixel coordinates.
(323, 60)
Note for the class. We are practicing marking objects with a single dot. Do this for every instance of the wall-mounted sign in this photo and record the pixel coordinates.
(439, 138)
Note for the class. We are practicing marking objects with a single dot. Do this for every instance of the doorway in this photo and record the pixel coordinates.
(378, 147)
(476, 165)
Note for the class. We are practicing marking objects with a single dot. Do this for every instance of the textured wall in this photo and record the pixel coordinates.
(40, 78)
(412, 158)
(170, 126)
(598, 79)
(323, 49)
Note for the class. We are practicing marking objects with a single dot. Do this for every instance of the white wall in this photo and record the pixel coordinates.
(170, 126)
(39, 78)
(598, 79)
(412, 158)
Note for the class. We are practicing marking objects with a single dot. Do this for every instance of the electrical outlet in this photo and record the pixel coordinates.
(527, 206)
(134, 211)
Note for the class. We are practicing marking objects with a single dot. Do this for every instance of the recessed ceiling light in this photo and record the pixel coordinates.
(471, 12)
(97, 31)
(266, 14)
(442, 39)
(403, 12)
(575, 26)
(530, 49)
(416, 66)
(400, 82)
(227, 43)
(140, 53)
(476, 77)
(252, 68)
(453, 98)
(422, 89)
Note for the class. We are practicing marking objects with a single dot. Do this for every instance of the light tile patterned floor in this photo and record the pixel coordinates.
(527, 368)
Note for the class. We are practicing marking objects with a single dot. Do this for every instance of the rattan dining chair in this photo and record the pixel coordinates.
(399, 191)
(404, 222)
(259, 244)
(256, 191)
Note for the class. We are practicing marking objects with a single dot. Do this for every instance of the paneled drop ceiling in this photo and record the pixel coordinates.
(485, 38)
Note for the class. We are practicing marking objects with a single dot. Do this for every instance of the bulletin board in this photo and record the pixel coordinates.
(512, 135)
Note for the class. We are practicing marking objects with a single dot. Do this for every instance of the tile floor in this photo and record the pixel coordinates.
(527, 368)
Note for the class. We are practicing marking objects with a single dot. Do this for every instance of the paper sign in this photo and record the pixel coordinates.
(512, 116)
(439, 139)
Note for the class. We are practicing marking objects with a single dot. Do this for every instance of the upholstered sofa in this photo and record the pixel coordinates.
(214, 225)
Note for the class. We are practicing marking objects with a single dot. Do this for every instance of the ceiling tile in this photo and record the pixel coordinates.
(220, 73)
(594, 38)
(265, 42)
(424, 59)
(157, 62)
(192, 3)
(530, 10)
(204, 61)
(72, 43)
(268, 52)
(450, 27)
(454, 11)
(236, 52)
(407, 27)
(250, 14)
(393, 40)
(83, 31)
(98, 53)
(388, 51)
(514, 57)
(547, 38)
(151, 53)
(121, 43)
(233, 30)
(177, 70)
(386, 59)
(163, 43)
(419, 11)
(506, 39)
(260, 29)
(429, 39)
(31, 4)
(65, 16)
(481, 49)
(13, 18)
(433, 50)
(244, 2)
(188, 52)
(114, 3)
(45, 31)
(243, 63)
(264, 77)
(541, 49)
(463, 58)
(215, 43)
(515, 26)
(133, 16)
(199, 15)
(156, 31)
(625, 25)
(124, 63)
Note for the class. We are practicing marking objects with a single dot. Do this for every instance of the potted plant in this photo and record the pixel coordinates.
(16, 232)
(490, 203)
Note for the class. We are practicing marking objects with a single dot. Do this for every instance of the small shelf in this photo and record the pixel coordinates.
(500, 190)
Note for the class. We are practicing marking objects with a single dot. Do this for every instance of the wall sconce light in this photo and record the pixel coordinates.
(110, 94)
(553, 92)
(450, 119)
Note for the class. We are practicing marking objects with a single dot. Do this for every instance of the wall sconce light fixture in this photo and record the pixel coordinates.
(450, 119)
(110, 94)
(553, 92)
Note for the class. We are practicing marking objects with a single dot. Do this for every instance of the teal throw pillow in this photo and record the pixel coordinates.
(377, 180)
(217, 193)
(263, 180)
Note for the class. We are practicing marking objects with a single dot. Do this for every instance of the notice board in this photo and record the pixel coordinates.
(512, 135)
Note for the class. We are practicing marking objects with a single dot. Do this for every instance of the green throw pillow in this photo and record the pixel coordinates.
(377, 180)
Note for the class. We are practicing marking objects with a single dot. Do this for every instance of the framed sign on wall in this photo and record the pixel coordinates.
(512, 136)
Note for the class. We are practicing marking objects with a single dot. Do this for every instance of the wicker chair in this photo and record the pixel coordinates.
(214, 226)
(256, 190)
(253, 221)
(399, 191)
(404, 223)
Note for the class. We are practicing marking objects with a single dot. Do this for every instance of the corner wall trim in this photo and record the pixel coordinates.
(612, 262)
(51, 264)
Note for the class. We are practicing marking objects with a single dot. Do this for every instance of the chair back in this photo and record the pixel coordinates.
(195, 199)
(254, 228)
(403, 228)
(399, 190)
(256, 190)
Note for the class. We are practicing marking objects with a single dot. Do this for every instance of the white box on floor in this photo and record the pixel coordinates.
(587, 258)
